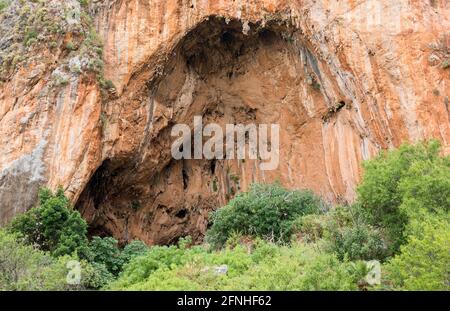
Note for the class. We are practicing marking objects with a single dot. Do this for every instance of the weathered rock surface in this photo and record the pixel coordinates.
(344, 79)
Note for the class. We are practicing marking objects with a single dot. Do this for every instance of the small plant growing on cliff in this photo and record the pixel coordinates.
(30, 34)
(70, 46)
(135, 205)
(214, 185)
(446, 64)
(3, 4)
(106, 84)
(61, 81)
(234, 178)
(53, 44)
(28, 22)
(312, 81)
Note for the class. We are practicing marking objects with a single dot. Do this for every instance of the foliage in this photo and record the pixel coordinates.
(106, 253)
(131, 250)
(266, 211)
(267, 267)
(397, 182)
(350, 236)
(3, 4)
(31, 28)
(23, 267)
(424, 262)
(310, 228)
(52, 226)
(401, 218)
(157, 257)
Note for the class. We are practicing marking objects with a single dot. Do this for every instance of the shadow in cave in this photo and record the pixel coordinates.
(147, 195)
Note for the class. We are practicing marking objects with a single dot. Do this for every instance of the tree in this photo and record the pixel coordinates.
(52, 226)
(105, 251)
(22, 267)
(398, 183)
(424, 262)
(133, 249)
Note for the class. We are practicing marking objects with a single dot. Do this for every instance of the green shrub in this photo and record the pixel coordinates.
(102, 277)
(310, 228)
(157, 257)
(30, 34)
(106, 252)
(446, 64)
(424, 262)
(266, 211)
(131, 250)
(52, 226)
(426, 188)
(3, 4)
(70, 46)
(83, 2)
(359, 243)
(23, 267)
(267, 267)
(350, 237)
(393, 178)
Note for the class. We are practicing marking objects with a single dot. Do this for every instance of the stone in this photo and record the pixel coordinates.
(223, 269)
(171, 60)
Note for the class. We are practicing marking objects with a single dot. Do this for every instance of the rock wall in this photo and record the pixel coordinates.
(343, 79)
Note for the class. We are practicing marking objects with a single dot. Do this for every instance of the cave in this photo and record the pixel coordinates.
(228, 72)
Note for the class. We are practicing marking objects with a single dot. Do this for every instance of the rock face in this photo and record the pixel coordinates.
(344, 79)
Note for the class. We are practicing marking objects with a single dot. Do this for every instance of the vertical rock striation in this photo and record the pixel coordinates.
(343, 79)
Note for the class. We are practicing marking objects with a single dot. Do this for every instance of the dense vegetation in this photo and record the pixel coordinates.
(269, 238)
(38, 245)
(273, 238)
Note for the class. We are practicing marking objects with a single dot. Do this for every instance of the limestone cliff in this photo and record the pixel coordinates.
(344, 79)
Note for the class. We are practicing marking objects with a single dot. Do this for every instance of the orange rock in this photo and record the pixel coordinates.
(344, 80)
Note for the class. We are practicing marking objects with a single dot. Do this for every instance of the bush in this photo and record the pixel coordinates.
(3, 4)
(30, 34)
(97, 276)
(395, 177)
(24, 268)
(350, 237)
(131, 250)
(157, 257)
(424, 262)
(268, 267)
(70, 46)
(310, 228)
(52, 226)
(106, 253)
(266, 211)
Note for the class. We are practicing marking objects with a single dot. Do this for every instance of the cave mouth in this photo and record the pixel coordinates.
(224, 71)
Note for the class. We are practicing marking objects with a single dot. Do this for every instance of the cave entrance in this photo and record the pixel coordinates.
(226, 71)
